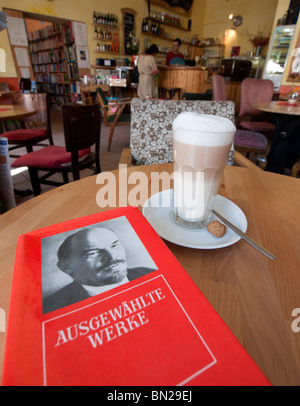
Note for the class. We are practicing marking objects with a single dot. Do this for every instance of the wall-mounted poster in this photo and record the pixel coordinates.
(235, 51)
(80, 33)
(83, 57)
(16, 30)
(294, 74)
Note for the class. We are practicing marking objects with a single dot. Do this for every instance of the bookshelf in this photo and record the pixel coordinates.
(54, 62)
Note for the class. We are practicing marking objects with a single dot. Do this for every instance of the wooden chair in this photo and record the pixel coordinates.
(5, 97)
(82, 130)
(4, 87)
(198, 96)
(25, 85)
(169, 92)
(35, 128)
(115, 118)
(296, 169)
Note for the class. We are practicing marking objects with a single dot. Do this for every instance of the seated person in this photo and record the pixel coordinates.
(175, 54)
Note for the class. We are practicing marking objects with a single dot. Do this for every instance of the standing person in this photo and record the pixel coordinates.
(175, 53)
(146, 66)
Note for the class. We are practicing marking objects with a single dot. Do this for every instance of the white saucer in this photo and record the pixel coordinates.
(157, 210)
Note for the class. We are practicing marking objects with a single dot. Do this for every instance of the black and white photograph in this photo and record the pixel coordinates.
(88, 261)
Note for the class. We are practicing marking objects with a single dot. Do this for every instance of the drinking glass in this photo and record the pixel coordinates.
(201, 145)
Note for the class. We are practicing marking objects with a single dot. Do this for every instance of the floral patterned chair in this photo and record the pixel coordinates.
(151, 139)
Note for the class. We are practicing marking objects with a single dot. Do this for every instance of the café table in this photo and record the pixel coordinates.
(11, 112)
(285, 147)
(258, 298)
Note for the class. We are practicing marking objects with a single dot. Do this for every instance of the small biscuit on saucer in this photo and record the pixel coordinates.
(216, 229)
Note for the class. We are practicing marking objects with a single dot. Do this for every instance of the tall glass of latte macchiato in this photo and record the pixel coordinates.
(201, 145)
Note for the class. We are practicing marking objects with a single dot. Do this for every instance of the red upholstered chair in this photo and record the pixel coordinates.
(34, 129)
(245, 141)
(250, 141)
(82, 130)
(253, 91)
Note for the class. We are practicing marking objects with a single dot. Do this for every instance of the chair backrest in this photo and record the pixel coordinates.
(25, 85)
(253, 91)
(102, 98)
(4, 98)
(151, 136)
(82, 126)
(218, 87)
(4, 87)
(103, 103)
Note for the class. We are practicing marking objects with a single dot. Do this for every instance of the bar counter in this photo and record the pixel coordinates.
(195, 79)
(188, 78)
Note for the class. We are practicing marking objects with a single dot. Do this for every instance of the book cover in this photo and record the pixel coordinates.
(101, 300)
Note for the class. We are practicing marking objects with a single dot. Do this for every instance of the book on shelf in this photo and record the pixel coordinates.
(73, 71)
(101, 300)
(45, 32)
(70, 53)
(68, 34)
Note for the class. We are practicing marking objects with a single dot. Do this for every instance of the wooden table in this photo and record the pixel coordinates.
(10, 112)
(285, 148)
(277, 107)
(254, 295)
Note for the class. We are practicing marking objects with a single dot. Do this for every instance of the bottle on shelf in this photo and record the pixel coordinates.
(110, 20)
(145, 25)
(158, 29)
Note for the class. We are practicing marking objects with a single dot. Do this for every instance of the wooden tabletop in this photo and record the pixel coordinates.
(255, 296)
(10, 112)
(277, 107)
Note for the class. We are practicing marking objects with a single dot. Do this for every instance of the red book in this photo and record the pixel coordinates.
(101, 300)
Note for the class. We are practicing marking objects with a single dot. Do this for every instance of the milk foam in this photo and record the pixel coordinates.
(203, 129)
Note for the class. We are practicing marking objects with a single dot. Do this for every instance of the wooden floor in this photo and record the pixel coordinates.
(108, 160)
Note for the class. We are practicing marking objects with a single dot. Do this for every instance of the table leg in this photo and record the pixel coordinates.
(285, 148)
